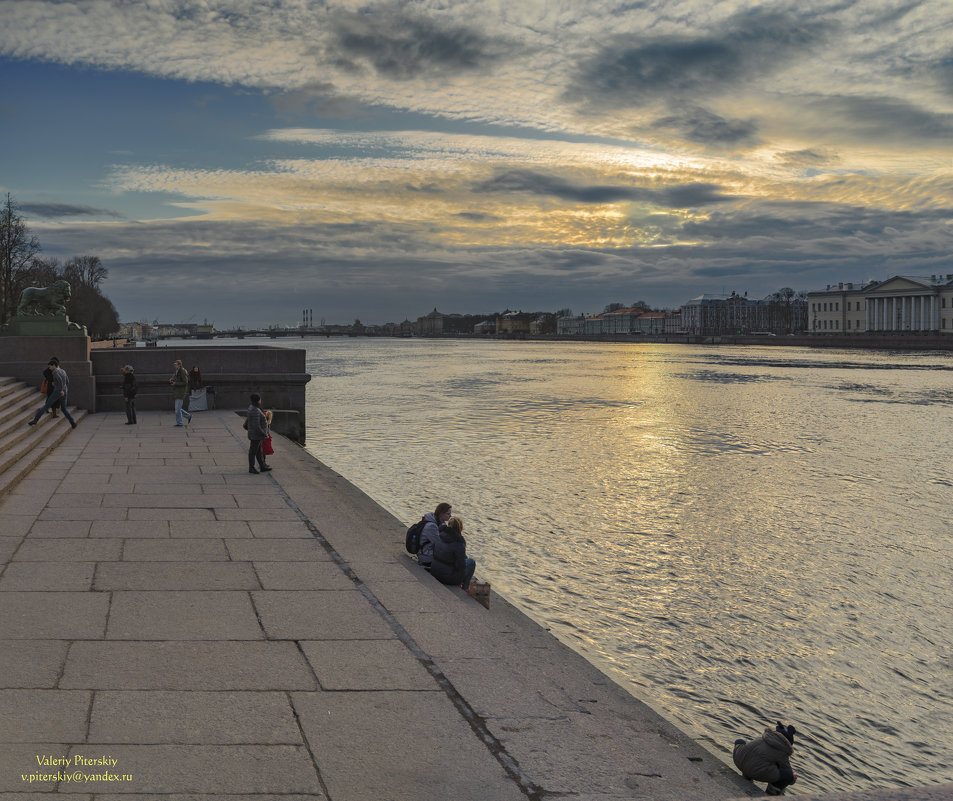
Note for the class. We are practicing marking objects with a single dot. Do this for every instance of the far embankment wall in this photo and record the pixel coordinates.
(277, 374)
(910, 340)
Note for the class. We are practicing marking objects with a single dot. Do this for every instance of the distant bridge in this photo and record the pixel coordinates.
(268, 333)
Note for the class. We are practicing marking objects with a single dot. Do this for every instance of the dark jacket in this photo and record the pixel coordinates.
(428, 537)
(180, 384)
(766, 759)
(449, 557)
(257, 424)
(129, 388)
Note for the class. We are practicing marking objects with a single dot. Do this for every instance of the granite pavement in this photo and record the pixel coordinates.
(173, 627)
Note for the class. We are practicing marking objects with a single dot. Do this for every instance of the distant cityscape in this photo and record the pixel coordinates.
(781, 312)
(898, 304)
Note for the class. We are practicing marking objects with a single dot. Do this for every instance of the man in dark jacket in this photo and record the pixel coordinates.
(451, 565)
(768, 759)
(257, 425)
(129, 393)
(48, 377)
(180, 391)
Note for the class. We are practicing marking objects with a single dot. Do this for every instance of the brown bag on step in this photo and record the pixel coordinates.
(480, 590)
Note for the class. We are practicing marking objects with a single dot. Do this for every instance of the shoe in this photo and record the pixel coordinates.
(72, 423)
(31, 423)
(773, 789)
(264, 469)
(53, 413)
(252, 470)
(177, 425)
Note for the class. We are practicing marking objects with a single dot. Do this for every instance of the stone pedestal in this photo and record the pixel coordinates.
(25, 358)
(43, 325)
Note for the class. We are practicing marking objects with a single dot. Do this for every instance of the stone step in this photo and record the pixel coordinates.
(17, 401)
(22, 447)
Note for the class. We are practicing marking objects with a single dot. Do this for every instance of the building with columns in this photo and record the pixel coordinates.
(901, 303)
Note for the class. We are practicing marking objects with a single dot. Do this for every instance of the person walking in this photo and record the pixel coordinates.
(48, 378)
(129, 393)
(60, 386)
(257, 427)
(180, 389)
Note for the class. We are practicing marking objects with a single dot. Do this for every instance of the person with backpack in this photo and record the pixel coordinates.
(451, 565)
(431, 533)
(768, 758)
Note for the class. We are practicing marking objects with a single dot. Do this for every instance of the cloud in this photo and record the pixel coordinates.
(50, 211)
(697, 124)
(538, 183)
(398, 45)
(806, 158)
(873, 118)
(639, 70)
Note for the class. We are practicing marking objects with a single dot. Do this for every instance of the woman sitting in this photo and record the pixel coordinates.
(451, 565)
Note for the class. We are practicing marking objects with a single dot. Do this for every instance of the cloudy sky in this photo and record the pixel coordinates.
(242, 160)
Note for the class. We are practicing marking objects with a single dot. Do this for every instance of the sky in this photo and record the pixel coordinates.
(239, 161)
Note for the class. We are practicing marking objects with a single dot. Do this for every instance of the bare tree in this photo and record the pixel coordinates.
(43, 272)
(18, 249)
(85, 271)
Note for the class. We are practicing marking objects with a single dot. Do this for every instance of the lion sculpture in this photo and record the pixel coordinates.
(45, 300)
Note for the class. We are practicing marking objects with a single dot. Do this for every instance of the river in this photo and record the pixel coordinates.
(738, 535)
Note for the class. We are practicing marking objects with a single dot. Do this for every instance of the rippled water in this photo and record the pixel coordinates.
(738, 535)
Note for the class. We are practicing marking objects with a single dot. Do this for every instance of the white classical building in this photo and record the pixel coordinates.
(901, 303)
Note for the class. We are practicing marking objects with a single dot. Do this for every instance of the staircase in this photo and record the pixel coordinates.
(22, 446)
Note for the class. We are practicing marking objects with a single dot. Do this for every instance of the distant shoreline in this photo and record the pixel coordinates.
(911, 341)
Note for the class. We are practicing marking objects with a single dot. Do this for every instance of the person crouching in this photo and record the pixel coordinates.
(768, 758)
(451, 565)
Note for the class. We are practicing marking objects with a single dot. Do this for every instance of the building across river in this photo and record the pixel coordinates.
(901, 303)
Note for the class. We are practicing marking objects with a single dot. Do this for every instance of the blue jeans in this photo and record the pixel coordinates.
(469, 570)
(179, 411)
(52, 398)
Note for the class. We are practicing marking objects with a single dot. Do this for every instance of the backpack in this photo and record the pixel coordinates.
(412, 541)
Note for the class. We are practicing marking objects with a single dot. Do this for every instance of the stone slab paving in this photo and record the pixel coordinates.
(174, 628)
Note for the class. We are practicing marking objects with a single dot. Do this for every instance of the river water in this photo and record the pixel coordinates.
(737, 535)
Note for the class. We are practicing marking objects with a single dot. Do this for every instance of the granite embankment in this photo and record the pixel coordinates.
(174, 627)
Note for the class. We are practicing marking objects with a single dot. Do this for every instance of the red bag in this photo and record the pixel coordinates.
(44, 387)
(266, 448)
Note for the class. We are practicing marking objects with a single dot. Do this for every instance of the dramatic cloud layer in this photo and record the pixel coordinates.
(377, 160)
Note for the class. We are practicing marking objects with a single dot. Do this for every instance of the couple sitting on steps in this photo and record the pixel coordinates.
(443, 550)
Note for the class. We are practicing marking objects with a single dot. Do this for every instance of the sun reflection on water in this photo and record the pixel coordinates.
(738, 535)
